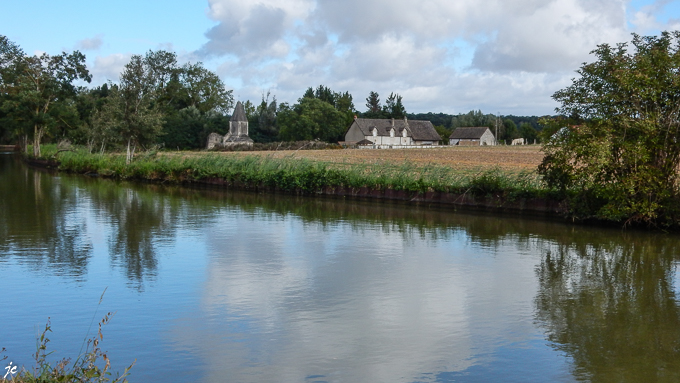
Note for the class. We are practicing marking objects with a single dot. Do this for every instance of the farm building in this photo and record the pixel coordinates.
(472, 136)
(238, 131)
(383, 133)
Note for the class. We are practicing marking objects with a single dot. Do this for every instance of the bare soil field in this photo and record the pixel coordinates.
(510, 158)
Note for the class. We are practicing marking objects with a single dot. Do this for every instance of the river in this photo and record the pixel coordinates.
(212, 285)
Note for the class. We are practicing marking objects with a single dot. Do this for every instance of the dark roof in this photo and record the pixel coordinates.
(365, 142)
(468, 133)
(419, 130)
(239, 113)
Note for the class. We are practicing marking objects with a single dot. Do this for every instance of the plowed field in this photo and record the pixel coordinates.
(511, 158)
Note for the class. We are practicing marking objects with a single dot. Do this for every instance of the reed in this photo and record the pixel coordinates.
(298, 175)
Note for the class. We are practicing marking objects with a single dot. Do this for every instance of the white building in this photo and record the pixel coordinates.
(384, 133)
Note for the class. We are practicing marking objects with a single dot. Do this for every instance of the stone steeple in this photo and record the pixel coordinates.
(238, 131)
(238, 128)
(238, 124)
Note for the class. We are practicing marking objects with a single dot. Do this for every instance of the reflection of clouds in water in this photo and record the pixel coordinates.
(676, 280)
(286, 299)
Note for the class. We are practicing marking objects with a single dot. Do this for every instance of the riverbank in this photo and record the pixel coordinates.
(9, 148)
(484, 187)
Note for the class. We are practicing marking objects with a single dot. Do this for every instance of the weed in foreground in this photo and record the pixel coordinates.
(90, 366)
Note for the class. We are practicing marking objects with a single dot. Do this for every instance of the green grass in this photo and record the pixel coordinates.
(297, 175)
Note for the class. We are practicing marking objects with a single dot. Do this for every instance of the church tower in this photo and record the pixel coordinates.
(238, 128)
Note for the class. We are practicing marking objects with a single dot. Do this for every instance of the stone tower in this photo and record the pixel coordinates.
(238, 128)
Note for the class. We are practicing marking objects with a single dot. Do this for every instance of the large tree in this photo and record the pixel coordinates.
(133, 110)
(204, 90)
(310, 119)
(38, 88)
(617, 148)
(10, 56)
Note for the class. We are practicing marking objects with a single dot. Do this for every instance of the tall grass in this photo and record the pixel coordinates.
(92, 365)
(298, 175)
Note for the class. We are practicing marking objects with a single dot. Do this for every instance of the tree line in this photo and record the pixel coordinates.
(158, 102)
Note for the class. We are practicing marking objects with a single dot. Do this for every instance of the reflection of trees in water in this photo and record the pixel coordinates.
(139, 220)
(610, 305)
(422, 221)
(39, 223)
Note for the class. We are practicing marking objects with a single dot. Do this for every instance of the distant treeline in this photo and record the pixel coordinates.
(157, 102)
(509, 127)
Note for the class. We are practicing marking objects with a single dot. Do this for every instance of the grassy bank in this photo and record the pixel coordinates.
(299, 175)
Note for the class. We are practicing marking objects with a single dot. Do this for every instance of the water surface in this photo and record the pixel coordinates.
(214, 285)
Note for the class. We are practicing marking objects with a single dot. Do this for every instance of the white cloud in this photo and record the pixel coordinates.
(555, 37)
(452, 56)
(108, 67)
(91, 44)
(252, 30)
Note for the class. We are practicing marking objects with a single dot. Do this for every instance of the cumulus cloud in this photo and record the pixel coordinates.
(107, 68)
(253, 30)
(442, 55)
(555, 37)
(91, 44)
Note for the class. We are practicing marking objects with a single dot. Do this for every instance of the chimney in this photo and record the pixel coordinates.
(393, 122)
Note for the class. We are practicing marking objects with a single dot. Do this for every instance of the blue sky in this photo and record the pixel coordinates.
(452, 56)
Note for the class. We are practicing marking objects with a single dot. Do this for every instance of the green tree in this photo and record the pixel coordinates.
(617, 149)
(204, 90)
(473, 118)
(443, 133)
(527, 131)
(310, 119)
(510, 131)
(132, 110)
(267, 128)
(38, 88)
(374, 109)
(394, 108)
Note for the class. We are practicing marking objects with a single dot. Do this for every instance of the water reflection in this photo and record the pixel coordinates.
(39, 221)
(319, 289)
(611, 305)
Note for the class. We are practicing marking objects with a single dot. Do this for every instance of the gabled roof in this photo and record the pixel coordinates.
(239, 113)
(469, 133)
(419, 130)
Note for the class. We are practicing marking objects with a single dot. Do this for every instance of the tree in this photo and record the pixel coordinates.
(616, 148)
(37, 88)
(10, 56)
(373, 105)
(132, 110)
(204, 90)
(443, 133)
(510, 131)
(393, 107)
(527, 131)
(310, 119)
(267, 128)
(262, 119)
(473, 118)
